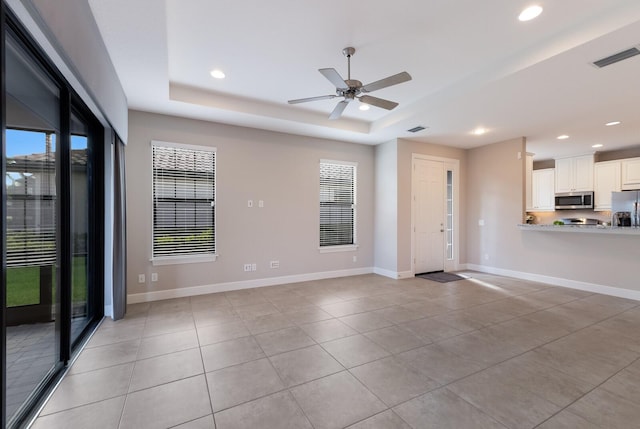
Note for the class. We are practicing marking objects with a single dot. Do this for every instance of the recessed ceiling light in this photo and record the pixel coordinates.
(610, 124)
(597, 145)
(479, 131)
(530, 13)
(218, 74)
(364, 106)
(562, 137)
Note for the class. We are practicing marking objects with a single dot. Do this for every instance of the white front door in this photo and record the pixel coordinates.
(429, 215)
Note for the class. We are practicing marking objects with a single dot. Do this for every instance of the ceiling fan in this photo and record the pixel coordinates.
(351, 89)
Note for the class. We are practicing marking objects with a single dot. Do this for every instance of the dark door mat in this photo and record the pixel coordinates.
(442, 277)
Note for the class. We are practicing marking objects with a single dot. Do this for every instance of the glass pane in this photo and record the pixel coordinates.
(449, 226)
(32, 116)
(80, 308)
(337, 198)
(183, 203)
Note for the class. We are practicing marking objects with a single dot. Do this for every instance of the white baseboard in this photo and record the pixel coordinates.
(405, 274)
(108, 311)
(386, 273)
(557, 281)
(245, 284)
(392, 274)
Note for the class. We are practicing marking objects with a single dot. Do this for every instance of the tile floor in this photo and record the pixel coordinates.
(362, 352)
(31, 356)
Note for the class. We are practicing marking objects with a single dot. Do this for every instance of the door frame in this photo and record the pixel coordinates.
(68, 98)
(452, 165)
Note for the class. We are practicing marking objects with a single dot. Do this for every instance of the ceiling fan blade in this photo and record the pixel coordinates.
(304, 100)
(387, 81)
(378, 102)
(337, 112)
(334, 77)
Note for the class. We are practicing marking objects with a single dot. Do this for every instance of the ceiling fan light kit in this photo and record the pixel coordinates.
(351, 89)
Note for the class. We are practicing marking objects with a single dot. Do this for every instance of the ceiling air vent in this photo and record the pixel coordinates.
(616, 57)
(416, 129)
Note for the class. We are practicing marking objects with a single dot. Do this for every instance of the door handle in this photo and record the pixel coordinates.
(442, 230)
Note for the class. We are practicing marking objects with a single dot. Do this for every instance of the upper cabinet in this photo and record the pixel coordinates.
(542, 194)
(606, 179)
(574, 174)
(630, 173)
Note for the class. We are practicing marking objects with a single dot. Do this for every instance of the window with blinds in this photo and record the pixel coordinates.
(183, 200)
(337, 203)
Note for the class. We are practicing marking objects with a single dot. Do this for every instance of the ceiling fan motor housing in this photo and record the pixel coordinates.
(353, 91)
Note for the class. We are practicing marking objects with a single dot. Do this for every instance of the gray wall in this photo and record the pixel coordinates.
(386, 212)
(68, 33)
(281, 169)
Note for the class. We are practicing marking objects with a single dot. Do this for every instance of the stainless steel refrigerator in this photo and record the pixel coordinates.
(624, 208)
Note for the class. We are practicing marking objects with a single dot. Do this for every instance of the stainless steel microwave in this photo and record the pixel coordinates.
(574, 200)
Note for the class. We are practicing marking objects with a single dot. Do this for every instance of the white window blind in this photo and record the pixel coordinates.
(183, 201)
(337, 204)
(31, 208)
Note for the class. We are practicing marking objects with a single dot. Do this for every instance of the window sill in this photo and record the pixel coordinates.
(334, 249)
(176, 260)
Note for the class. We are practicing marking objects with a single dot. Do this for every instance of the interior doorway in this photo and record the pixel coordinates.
(434, 214)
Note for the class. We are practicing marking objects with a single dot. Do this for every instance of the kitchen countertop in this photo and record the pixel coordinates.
(595, 229)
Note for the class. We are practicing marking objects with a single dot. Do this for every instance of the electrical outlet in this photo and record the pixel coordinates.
(141, 278)
(486, 256)
(261, 203)
(355, 258)
(254, 267)
(274, 264)
(247, 268)
(154, 277)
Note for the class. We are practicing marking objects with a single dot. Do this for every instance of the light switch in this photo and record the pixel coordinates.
(250, 203)
(481, 222)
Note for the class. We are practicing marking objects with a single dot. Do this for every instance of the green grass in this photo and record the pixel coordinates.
(23, 284)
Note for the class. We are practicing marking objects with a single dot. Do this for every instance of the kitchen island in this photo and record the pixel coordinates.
(593, 229)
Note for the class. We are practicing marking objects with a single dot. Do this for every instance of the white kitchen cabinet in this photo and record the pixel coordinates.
(528, 182)
(606, 179)
(574, 174)
(630, 173)
(542, 190)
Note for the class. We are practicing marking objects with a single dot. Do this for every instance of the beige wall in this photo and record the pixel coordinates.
(280, 169)
(610, 155)
(406, 148)
(495, 189)
(632, 152)
(494, 194)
